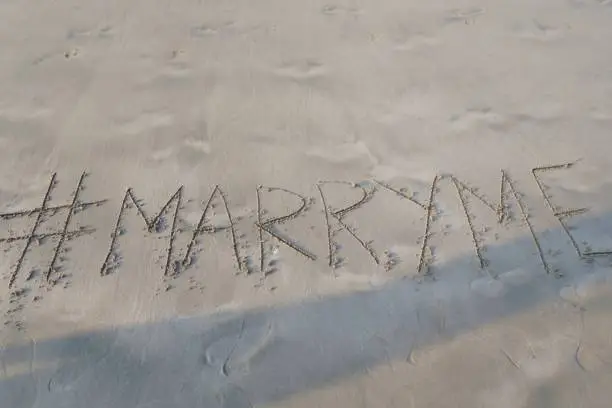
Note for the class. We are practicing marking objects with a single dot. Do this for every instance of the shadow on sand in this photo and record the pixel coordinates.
(239, 360)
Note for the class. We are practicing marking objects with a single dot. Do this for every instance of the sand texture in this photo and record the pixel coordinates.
(303, 204)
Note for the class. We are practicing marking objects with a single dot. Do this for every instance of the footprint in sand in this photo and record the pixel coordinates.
(343, 153)
(334, 10)
(29, 138)
(234, 397)
(20, 363)
(477, 117)
(600, 115)
(463, 15)
(301, 70)
(516, 277)
(189, 151)
(175, 70)
(24, 113)
(146, 122)
(497, 287)
(80, 356)
(198, 145)
(204, 31)
(487, 117)
(175, 66)
(211, 29)
(589, 287)
(103, 32)
(538, 31)
(488, 287)
(163, 154)
(236, 345)
(412, 42)
(588, 3)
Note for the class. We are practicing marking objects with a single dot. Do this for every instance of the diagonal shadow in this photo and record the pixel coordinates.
(244, 359)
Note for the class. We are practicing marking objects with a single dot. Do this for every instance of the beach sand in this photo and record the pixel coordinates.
(305, 204)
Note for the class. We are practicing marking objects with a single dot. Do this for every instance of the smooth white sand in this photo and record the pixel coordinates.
(153, 96)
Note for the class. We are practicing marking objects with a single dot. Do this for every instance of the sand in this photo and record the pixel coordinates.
(305, 204)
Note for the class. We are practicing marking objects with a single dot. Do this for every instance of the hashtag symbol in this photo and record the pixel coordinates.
(75, 206)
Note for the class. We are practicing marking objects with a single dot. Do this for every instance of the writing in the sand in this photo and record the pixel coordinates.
(266, 226)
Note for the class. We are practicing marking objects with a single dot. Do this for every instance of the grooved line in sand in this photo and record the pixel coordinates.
(267, 225)
(60, 243)
(525, 216)
(40, 212)
(202, 228)
(150, 223)
(339, 214)
(37, 223)
(430, 208)
(69, 235)
(156, 223)
(51, 210)
(501, 210)
(562, 215)
(400, 193)
(468, 216)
